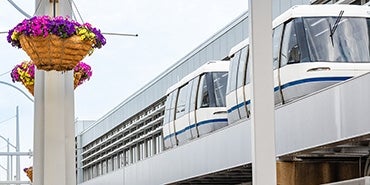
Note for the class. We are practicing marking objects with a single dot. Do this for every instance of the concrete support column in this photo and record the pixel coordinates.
(262, 107)
(79, 159)
(54, 144)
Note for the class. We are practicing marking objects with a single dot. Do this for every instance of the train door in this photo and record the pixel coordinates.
(231, 98)
(247, 84)
(181, 122)
(166, 122)
(242, 93)
(290, 71)
(170, 137)
(192, 106)
(172, 125)
(210, 117)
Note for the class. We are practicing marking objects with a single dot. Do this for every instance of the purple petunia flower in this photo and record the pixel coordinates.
(42, 26)
(85, 70)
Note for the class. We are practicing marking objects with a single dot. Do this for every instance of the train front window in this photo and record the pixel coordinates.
(346, 41)
(203, 95)
(290, 52)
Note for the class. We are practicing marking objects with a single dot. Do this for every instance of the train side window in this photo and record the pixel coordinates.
(172, 105)
(188, 96)
(181, 101)
(193, 96)
(290, 50)
(233, 72)
(242, 67)
(276, 36)
(203, 94)
(219, 85)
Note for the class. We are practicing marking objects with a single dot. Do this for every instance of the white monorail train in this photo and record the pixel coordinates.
(314, 46)
(196, 104)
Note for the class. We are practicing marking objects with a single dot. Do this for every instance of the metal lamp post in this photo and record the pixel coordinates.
(15, 87)
(9, 175)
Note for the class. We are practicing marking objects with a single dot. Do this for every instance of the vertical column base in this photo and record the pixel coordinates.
(54, 148)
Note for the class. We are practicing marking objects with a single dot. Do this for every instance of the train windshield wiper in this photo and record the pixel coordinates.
(332, 29)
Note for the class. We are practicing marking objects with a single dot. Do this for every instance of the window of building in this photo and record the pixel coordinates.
(115, 162)
(127, 157)
(141, 151)
(109, 164)
(149, 147)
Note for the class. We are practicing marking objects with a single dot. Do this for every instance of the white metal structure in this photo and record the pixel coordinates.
(196, 104)
(313, 47)
(331, 123)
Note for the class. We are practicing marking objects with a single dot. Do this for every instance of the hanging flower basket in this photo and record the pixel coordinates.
(25, 73)
(55, 43)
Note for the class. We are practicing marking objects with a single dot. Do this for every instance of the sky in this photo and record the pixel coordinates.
(168, 30)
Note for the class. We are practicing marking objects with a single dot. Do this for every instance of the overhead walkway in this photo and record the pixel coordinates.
(332, 124)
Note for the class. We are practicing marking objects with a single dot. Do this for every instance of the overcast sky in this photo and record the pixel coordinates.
(167, 29)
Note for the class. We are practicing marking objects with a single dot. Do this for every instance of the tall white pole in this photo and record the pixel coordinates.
(8, 162)
(11, 167)
(17, 147)
(263, 127)
(54, 148)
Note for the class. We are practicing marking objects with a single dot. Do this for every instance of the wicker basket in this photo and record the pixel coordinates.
(77, 76)
(30, 88)
(55, 53)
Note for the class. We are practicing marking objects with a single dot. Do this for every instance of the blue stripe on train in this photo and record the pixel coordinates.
(297, 82)
(318, 79)
(238, 106)
(210, 121)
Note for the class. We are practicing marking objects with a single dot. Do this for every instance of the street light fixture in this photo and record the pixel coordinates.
(20, 90)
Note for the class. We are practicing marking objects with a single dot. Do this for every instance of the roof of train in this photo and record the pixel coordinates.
(322, 10)
(210, 66)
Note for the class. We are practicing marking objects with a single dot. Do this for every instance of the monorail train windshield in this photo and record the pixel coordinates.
(327, 39)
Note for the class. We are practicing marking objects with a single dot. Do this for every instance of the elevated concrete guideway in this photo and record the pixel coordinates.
(333, 124)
